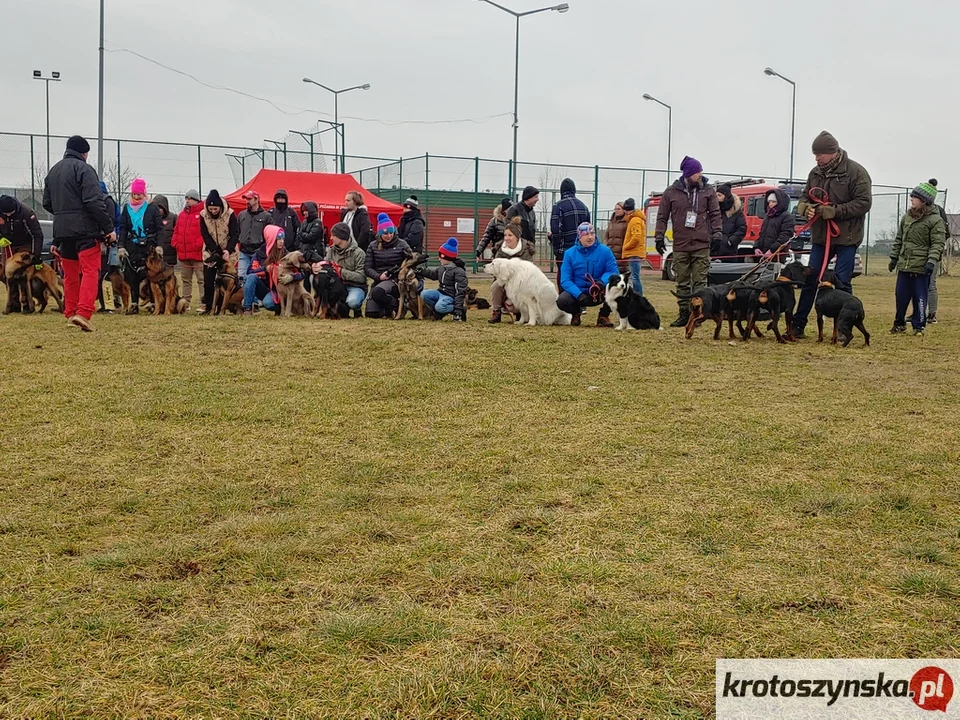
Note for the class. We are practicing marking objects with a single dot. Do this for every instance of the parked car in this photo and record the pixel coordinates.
(47, 227)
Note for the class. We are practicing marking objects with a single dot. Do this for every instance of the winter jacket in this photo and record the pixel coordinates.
(152, 229)
(311, 235)
(525, 251)
(22, 229)
(168, 224)
(850, 191)
(453, 281)
(778, 229)
(596, 261)
(615, 234)
(288, 220)
(360, 226)
(567, 216)
(219, 233)
(251, 229)
(919, 241)
(383, 257)
(734, 230)
(528, 220)
(680, 198)
(351, 261)
(411, 229)
(635, 240)
(493, 235)
(187, 237)
(71, 193)
(113, 210)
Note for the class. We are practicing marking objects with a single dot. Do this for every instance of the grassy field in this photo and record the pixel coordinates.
(253, 518)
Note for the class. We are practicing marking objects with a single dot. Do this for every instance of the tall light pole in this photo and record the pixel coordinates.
(54, 77)
(562, 8)
(793, 117)
(100, 108)
(336, 113)
(669, 131)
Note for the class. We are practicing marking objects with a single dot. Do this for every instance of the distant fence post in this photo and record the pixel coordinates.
(476, 210)
(400, 181)
(643, 186)
(596, 191)
(426, 182)
(199, 169)
(866, 260)
(33, 177)
(513, 190)
(119, 173)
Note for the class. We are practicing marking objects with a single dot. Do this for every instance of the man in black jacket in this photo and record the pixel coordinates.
(412, 227)
(285, 216)
(71, 193)
(526, 211)
(19, 232)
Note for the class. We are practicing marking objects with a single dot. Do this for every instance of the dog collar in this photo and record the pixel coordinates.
(826, 285)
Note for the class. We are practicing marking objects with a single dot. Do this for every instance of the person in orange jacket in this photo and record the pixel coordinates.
(635, 242)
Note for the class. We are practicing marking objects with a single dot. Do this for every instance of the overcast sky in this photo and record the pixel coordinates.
(881, 79)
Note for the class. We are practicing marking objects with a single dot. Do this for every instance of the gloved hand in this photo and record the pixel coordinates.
(827, 212)
(661, 245)
(4, 242)
(583, 299)
(286, 279)
(459, 316)
(929, 268)
(768, 254)
(123, 254)
(758, 252)
(892, 265)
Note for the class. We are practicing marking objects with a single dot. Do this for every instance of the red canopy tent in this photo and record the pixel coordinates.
(327, 190)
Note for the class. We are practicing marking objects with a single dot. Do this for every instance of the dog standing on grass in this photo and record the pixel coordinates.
(410, 286)
(26, 282)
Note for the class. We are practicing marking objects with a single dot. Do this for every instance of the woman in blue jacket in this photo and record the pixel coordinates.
(587, 267)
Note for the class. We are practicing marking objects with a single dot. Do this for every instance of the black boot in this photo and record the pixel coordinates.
(682, 319)
(495, 316)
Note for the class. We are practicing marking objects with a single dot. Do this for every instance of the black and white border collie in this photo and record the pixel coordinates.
(634, 310)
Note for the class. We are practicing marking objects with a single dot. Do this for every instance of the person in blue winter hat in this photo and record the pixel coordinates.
(452, 277)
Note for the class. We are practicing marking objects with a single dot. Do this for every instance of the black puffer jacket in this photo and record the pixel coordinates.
(384, 257)
(411, 229)
(734, 228)
(453, 281)
(71, 193)
(285, 217)
(22, 229)
(776, 229)
(311, 233)
(168, 223)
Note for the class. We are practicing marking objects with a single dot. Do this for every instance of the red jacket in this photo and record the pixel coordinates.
(187, 240)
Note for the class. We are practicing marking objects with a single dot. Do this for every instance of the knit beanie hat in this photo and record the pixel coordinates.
(529, 192)
(385, 224)
(629, 205)
(449, 249)
(825, 144)
(138, 187)
(584, 229)
(726, 189)
(78, 144)
(214, 200)
(925, 192)
(341, 231)
(933, 181)
(690, 167)
(411, 202)
(193, 195)
(7, 204)
(506, 204)
(270, 234)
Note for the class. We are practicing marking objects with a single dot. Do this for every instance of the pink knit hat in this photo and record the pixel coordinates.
(138, 187)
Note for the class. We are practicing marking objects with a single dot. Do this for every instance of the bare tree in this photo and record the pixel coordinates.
(118, 178)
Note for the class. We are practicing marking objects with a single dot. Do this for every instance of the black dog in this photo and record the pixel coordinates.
(709, 302)
(740, 299)
(778, 298)
(845, 309)
(330, 292)
(634, 310)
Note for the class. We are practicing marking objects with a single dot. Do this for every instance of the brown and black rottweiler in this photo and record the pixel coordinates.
(845, 309)
(778, 298)
(709, 302)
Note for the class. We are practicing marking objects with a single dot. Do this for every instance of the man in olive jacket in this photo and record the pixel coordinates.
(849, 195)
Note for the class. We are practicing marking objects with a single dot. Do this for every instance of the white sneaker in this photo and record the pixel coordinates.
(81, 323)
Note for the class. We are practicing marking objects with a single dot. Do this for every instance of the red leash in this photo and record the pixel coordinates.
(818, 196)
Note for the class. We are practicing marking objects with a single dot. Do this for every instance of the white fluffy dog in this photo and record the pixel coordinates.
(529, 290)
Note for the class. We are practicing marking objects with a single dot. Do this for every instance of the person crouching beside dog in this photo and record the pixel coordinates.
(140, 226)
(345, 252)
(453, 284)
(20, 231)
(513, 247)
(221, 233)
(586, 269)
(916, 252)
(261, 281)
(384, 256)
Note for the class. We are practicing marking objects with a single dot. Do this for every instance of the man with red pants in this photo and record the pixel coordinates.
(72, 194)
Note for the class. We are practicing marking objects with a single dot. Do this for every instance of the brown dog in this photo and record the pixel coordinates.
(228, 294)
(163, 285)
(409, 285)
(121, 288)
(294, 298)
(26, 283)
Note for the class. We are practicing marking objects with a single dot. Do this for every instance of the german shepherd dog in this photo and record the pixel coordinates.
(329, 292)
(473, 301)
(409, 285)
(25, 284)
(228, 292)
(294, 298)
(163, 285)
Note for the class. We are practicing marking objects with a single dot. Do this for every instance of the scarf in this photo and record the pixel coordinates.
(727, 204)
(832, 165)
(917, 213)
(773, 211)
(136, 212)
(511, 252)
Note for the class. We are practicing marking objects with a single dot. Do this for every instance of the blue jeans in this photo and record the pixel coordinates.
(243, 264)
(846, 256)
(912, 287)
(438, 302)
(256, 289)
(635, 280)
(355, 297)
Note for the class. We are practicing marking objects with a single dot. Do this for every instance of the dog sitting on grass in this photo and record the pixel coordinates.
(163, 285)
(410, 285)
(294, 298)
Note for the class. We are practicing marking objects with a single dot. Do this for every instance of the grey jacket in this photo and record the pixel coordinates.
(251, 229)
(351, 261)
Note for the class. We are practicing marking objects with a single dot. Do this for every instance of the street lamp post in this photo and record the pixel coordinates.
(669, 131)
(336, 113)
(54, 77)
(562, 8)
(793, 117)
